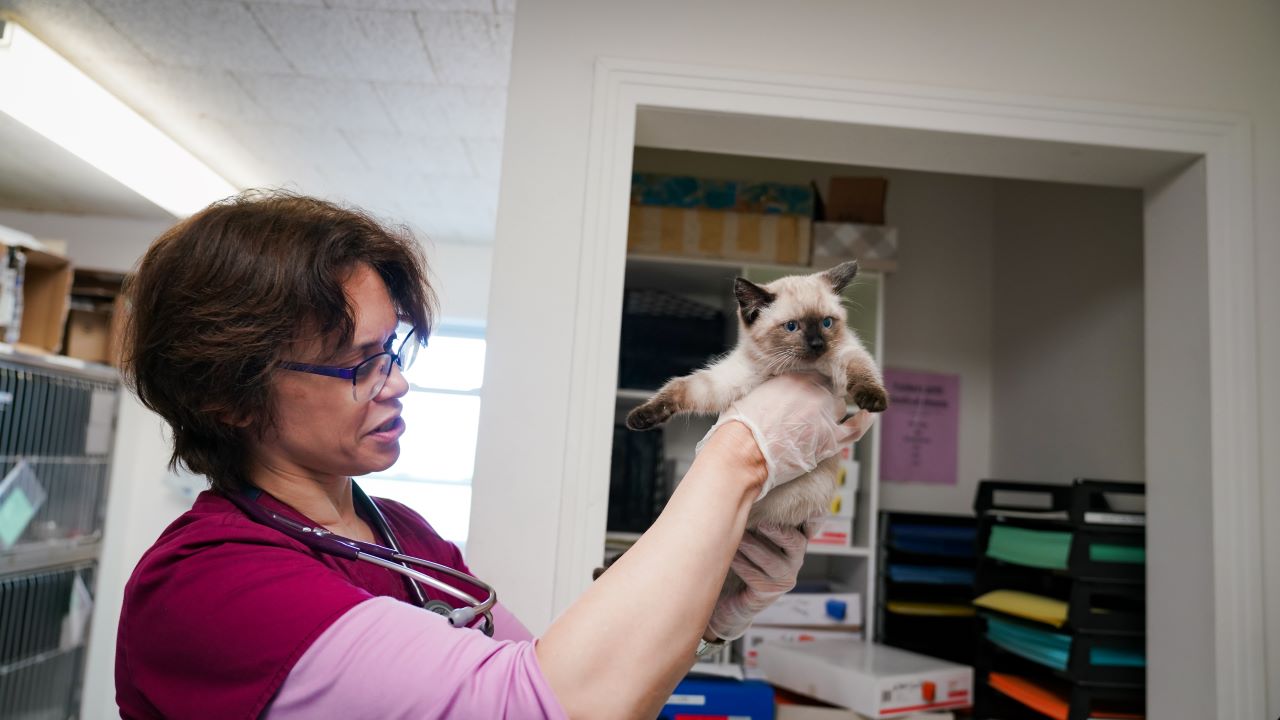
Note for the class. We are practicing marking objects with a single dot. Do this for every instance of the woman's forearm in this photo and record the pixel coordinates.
(624, 644)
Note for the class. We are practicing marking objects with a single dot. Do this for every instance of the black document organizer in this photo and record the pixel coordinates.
(953, 548)
(1106, 600)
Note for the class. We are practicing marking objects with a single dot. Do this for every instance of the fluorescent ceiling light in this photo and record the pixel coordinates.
(43, 91)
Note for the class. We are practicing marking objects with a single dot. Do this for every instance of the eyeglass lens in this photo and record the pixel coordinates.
(372, 375)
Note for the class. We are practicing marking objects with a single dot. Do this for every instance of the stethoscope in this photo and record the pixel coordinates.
(392, 558)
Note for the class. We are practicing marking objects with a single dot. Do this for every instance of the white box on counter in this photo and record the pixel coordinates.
(759, 635)
(875, 680)
(820, 610)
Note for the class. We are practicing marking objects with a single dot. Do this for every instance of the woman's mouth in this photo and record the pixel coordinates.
(390, 429)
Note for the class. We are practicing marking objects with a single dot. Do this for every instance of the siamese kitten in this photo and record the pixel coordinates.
(795, 323)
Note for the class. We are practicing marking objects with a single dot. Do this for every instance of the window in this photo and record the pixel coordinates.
(438, 449)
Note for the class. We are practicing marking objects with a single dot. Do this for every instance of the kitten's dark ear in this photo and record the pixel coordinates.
(841, 275)
(751, 299)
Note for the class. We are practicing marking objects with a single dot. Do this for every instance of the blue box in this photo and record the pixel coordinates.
(719, 698)
(744, 196)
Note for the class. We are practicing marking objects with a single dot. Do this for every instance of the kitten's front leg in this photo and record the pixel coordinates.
(671, 399)
(864, 385)
(709, 390)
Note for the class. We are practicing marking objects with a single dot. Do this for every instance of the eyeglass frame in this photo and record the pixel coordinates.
(352, 373)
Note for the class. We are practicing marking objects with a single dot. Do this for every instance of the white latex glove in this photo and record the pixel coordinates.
(768, 560)
(796, 423)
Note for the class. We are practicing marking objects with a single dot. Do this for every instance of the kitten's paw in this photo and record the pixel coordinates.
(870, 397)
(648, 415)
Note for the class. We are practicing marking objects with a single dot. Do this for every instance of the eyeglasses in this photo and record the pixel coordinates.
(369, 376)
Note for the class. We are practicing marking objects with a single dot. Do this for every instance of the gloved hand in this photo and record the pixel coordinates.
(796, 423)
(768, 560)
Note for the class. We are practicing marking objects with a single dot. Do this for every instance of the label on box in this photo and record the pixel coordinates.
(833, 530)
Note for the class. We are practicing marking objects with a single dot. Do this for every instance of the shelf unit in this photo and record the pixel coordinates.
(1075, 557)
(925, 584)
(57, 423)
(710, 282)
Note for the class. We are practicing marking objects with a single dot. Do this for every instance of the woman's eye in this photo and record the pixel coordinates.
(792, 326)
(827, 322)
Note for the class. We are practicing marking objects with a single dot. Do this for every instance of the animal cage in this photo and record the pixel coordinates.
(57, 421)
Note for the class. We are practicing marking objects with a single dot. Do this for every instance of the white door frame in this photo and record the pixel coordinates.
(624, 86)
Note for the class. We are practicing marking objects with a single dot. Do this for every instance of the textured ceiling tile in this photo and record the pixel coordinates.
(296, 154)
(471, 194)
(316, 102)
(157, 90)
(426, 156)
(472, 5)
(468, 48)
(486, 156)
(446, 110)
(195, 33)
(476, 112)
(75, 30)
(504, 7)
(417, 109)
(361, 45)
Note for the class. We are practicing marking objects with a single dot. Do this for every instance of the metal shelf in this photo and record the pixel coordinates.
(55, 554)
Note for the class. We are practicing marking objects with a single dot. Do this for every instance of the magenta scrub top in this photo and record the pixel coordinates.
(221, 609)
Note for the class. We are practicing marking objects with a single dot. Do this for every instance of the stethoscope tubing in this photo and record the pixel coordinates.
(324, 541)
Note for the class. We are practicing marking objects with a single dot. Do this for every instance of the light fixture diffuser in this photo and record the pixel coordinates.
(43, 91)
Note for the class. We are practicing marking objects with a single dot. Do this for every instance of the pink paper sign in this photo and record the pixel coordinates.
(919, 433)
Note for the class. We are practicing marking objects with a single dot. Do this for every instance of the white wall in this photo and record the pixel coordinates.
(1206, 56)
(1180, 538)
(1067, 331)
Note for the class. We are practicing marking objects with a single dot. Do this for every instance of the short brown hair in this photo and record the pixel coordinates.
(221, 296)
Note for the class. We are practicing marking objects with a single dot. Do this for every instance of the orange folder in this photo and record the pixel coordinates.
(1046, 701)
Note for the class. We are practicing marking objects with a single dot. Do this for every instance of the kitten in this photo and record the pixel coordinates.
(795, 323)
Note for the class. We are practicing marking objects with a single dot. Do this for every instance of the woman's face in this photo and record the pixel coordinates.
(321, 431)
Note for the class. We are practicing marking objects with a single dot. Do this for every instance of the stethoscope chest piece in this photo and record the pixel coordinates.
(438, 607)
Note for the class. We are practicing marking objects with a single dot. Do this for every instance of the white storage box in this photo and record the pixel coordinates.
(823, 610)
(833, 531)
(757, 636)
(875, 680)
(844, 504)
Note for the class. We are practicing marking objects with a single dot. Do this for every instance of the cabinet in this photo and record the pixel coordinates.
(56, 427)
(702, 289)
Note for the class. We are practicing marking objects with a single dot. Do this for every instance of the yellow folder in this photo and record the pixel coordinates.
(1025, 605)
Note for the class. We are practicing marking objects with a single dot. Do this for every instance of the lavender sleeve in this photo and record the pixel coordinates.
(387, 659)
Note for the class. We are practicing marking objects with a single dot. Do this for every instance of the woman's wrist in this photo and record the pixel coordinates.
(737, 445)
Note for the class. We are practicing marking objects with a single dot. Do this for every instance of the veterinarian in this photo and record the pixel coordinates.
(270, 331)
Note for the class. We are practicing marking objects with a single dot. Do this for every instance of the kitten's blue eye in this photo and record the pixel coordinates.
(826, 322)
(792, 326)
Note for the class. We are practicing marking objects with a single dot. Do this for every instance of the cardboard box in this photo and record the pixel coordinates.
(757, 636)
(875, 680)
(45, 286)
(744, 196)
(95, 321)
(818, 610)
(89, 336)
(715, 234)
(856, 200)
(875, 247)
